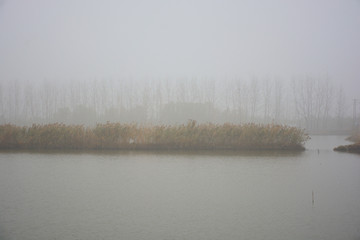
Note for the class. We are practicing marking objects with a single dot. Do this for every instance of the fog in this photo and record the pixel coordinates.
(83, 62)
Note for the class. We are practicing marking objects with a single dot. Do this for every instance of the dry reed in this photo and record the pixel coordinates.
(190, 136)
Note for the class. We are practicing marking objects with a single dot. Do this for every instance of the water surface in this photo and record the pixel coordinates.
(199, 195)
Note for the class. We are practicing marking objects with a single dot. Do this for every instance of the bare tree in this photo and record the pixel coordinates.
(328, 100)
(303, 92)
(278, 99)
(181, 92)
(29, 109)
(254, 93)
(266, 98)
(340, 107)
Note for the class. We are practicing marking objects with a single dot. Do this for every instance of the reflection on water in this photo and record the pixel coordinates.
(325, 142)
(177, 195)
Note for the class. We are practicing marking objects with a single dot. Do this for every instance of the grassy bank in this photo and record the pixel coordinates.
(190, 136)
(352, 148)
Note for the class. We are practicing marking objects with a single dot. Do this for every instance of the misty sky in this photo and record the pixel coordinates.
(84, 39)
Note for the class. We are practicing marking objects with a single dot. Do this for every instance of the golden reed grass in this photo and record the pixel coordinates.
(190, 136)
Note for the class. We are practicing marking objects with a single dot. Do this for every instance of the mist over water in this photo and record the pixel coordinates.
(171, 62)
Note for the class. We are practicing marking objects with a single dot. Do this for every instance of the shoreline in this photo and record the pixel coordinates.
(350, 148)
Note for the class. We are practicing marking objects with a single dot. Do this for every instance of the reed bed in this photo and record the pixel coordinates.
(190, 136)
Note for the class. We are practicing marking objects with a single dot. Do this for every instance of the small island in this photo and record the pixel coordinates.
(351, 148)
(117, 136)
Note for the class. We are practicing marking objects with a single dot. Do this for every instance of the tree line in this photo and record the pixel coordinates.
(312, 103)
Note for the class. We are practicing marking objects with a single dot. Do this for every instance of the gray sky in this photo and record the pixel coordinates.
(84, 39)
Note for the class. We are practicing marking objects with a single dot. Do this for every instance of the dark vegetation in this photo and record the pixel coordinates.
(353, 148)
(190, 136)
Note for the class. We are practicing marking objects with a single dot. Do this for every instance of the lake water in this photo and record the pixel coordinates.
(314, 194)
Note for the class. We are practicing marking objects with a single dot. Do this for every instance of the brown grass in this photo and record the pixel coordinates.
(190, 136)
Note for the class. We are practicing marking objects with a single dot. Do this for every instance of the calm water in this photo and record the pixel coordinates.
(182, 196)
